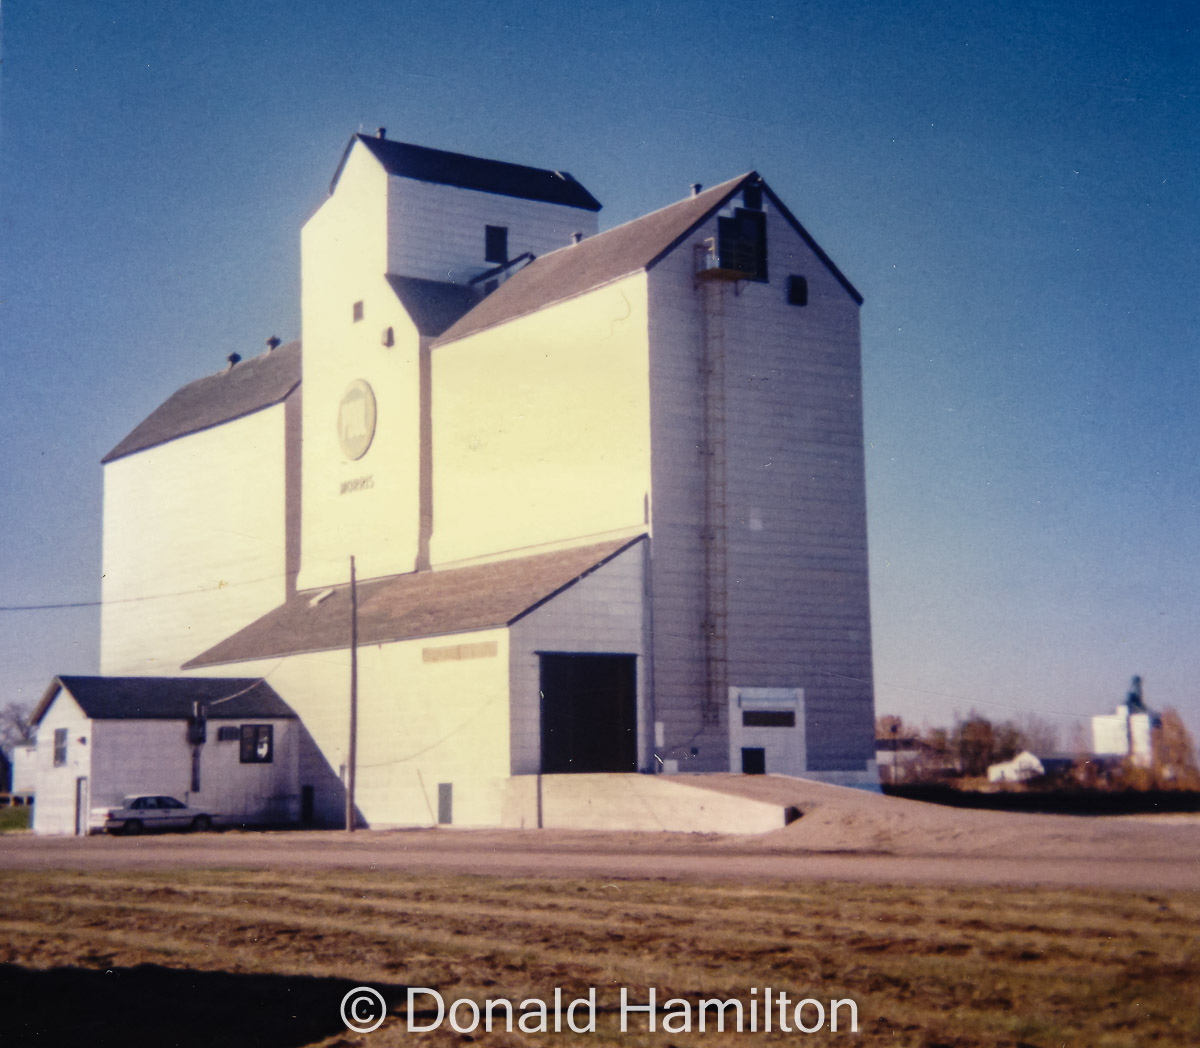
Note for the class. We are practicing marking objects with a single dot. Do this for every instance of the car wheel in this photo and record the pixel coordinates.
(202, 824)
(133, 827)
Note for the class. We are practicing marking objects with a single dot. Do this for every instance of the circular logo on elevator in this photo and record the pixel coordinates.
(356, 419)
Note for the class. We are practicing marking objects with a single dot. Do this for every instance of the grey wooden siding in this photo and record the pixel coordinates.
(795, 548)
(600, 614)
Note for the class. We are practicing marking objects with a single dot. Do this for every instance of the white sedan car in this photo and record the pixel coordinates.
(139, 813)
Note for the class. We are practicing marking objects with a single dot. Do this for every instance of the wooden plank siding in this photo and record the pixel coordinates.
(797, 606)
(437, 231)
(603, 613)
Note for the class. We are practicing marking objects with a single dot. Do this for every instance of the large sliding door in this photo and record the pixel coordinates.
(589, 713)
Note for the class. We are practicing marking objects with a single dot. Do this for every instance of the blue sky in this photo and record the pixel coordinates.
(1013, 188)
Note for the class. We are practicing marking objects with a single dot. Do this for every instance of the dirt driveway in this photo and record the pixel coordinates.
(1164, 856)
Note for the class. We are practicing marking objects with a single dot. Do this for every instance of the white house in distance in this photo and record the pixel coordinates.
(604, 494)
(1026, 765)
(1132, 730)
(226, 744)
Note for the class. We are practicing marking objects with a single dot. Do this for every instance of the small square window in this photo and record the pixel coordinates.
(60, 747)
(797, 288)
(358, 311)
(258, 744)
(495, 244)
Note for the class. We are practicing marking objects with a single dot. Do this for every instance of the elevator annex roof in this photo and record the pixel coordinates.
(241, 389)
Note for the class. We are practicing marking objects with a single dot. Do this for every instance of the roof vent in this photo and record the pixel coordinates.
(320, 598)
(381, 132)
(272, 343)
(233, 358)
(696, 187)
(576, 237)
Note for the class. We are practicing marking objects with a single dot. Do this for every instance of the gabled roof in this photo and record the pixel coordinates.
(472, 172)
(167, 698)
(433, 304)
(240, 390)
(594, 261)
(423, 604)
(619, 252)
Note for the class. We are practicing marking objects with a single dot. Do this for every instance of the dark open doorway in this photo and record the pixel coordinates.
(589, 713)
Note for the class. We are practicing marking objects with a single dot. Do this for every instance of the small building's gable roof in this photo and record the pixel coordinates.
(471, 172)
(420, 604)
(239, 390)
(167, 698)
(616, 253)
(433, 305)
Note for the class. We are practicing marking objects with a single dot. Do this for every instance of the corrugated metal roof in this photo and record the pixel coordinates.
(472, 172)
(422, 604)
(244, 388)
(167, 698)
(433, 304)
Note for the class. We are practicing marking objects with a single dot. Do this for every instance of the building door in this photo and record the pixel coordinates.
(754, 760)
(81, 806)
(589, 713)
(766, 731)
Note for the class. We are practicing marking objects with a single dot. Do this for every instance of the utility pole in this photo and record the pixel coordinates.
(353, 757)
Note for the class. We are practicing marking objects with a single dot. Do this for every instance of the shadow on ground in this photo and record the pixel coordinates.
(171, 1008)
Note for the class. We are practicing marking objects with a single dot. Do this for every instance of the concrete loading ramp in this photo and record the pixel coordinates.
(726, 804)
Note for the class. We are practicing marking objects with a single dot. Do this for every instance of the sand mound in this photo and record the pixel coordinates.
(840, 819)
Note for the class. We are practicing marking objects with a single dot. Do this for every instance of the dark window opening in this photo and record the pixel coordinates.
(742, 244)
(229, 733)
(258, 744)
(589, 713)
(752, 197)
(754, 760)
(60, 747)
(495, 244)
(769, 718)
(358, 311)
(797, 291)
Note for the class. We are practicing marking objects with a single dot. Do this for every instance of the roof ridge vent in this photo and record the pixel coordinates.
(233, 359)
(324, 595)
(273, 343)
(576, 237)
(696, 187)
(381, 132)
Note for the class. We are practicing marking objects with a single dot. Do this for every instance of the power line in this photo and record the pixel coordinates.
(134, 600)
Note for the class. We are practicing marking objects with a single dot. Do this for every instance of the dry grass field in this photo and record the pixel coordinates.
(235, 957)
